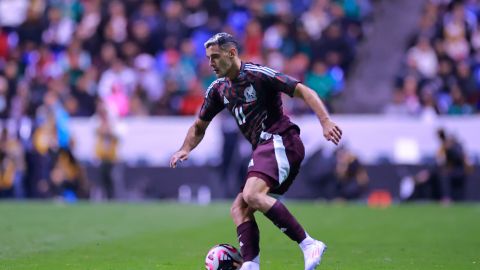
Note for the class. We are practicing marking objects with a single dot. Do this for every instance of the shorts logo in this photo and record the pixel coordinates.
(250, 94)
(225, 100)
(250, 164)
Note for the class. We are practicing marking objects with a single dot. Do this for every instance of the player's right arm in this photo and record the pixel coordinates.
(211, 106)
(331, 131)
(194, 137)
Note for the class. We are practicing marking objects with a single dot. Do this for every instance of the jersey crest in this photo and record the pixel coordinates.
(250, 94)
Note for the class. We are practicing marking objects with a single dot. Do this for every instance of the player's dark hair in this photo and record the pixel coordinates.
(223, 40)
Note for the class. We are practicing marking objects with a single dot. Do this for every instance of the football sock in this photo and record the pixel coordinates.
(250, 266)
(306, 242)
(284, 220)
(249, 240)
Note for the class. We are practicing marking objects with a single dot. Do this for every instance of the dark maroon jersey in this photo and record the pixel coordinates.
(253, 98)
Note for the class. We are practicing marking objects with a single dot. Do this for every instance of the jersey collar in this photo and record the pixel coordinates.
(241, 72)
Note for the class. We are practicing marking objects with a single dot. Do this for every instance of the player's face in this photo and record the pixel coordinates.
(220, 60)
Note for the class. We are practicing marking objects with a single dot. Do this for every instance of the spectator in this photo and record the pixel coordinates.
(20, 103)
(106, 147)
(116, 28)
(148, 12)
(83, 93)
(3, 45)
(192, 100)
(68, 179)
(74, 61)
(59, 31)
(253, 41)
(429, 109)
(351, 177)
(456, 32)
(466, 82)
(398, 105)
(3, 98)
(10, 166)
(410, 89)
(454, 166)
(45, 145)
(116, 85)
(173, 26)
(335, 47)
(422, 57)
(316, 19)
(323, 81)
(446, 179)
(149, 81)
(143, 37)
(89, 23)
(458, 105)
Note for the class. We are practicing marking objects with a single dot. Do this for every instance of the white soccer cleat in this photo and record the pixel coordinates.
(250, 266)
(313, 254)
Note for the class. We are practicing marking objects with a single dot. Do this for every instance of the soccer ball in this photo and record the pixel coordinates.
(223, 257)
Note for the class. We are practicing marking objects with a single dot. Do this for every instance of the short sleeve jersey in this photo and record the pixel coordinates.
(253, 98)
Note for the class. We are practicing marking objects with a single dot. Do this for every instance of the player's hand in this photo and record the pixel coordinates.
(331, 132)
(180, 155)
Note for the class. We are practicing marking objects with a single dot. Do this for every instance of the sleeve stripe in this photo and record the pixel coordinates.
(261, 67)
(266, 69)
(272, 70)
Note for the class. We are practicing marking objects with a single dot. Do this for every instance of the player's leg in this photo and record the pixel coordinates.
(274, 166)
(255, 194)
(247, 232)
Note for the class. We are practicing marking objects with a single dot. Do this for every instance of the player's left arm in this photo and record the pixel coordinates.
(194, 137)
(331, 131)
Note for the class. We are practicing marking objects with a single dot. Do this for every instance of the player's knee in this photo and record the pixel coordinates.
(239, 214)
(253, 199)
(236, 211)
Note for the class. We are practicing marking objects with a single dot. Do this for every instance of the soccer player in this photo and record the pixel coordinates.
(251, 93)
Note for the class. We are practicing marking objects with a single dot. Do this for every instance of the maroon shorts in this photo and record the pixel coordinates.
(277, 159)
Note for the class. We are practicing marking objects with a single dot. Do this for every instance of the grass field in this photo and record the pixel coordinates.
(152, 236)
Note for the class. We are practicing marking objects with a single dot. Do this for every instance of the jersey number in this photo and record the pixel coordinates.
(238, 112)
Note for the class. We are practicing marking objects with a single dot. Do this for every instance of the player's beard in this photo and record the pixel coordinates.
(220, 73)
(223, 68)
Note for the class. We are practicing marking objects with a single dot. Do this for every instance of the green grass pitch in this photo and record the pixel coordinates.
(84, 236)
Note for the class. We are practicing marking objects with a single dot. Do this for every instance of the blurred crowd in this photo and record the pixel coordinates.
(441, 70)
(341, 176)
(112, 59)
(147, 57)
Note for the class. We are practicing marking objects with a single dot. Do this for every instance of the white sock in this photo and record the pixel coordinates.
(250, 265)
(306, 242)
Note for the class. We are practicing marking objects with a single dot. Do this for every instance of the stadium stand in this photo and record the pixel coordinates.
(147, 57)
(439, 74)
(61, 60)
